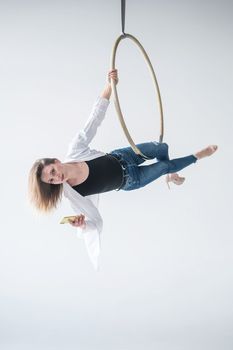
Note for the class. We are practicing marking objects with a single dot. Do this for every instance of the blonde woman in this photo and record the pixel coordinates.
(85, 173)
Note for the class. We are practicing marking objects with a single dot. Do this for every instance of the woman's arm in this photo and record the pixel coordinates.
(108, 90)
(82, 139)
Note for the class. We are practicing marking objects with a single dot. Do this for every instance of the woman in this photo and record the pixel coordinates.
(87, 172)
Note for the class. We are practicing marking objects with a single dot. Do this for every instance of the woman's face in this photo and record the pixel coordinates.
(53, 173)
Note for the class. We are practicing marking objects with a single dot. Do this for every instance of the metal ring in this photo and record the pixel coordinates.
(116, 99)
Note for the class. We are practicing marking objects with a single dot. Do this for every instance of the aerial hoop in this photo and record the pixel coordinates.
(115, 95)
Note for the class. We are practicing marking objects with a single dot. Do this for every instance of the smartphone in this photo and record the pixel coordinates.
(66, 219)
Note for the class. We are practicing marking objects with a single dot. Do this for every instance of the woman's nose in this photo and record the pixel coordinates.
(58, 177)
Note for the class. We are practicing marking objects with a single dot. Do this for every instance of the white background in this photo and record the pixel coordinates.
(165, 280)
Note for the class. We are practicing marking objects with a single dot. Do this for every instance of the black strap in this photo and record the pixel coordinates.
(123, 16)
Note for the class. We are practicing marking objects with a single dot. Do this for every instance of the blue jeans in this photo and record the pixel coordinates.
(137, 175)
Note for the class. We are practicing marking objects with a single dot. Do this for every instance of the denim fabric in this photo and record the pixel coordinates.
(137, 175)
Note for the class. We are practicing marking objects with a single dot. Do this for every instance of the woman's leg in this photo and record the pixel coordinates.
(150, 149)
(139, 176)
(149, 173)
(154, 149)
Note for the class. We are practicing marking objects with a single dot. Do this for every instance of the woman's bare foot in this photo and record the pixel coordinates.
(206, 152)
(175, 178)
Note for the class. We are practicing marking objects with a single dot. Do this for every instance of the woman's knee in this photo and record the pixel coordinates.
(165, 145)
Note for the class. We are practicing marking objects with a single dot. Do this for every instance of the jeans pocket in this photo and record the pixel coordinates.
(132, 183)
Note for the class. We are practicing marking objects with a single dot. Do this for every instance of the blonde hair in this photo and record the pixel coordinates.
(44, 196)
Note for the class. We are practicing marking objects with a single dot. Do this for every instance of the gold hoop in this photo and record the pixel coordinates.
(116, 99)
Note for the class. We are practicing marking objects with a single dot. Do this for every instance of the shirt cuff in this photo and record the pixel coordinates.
(103, 101)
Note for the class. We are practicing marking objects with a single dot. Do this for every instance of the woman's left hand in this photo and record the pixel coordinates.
(79, 221)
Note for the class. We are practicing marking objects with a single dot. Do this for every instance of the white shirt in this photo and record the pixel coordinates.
(79, 151)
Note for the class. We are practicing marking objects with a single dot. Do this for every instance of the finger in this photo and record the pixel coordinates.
(71, 223)
(112, 75)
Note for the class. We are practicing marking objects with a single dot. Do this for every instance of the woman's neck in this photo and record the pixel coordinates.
(73, 171)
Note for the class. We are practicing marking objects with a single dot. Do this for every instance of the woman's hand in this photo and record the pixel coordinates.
(79, 221)
(113, 75)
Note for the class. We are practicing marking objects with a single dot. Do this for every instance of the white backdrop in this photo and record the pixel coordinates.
(165, 279)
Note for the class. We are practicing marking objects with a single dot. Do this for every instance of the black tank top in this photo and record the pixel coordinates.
(105, 174)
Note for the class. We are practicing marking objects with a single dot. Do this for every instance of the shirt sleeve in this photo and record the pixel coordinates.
(92, 231)
(92, 239)
(82, 139)
(89, 226)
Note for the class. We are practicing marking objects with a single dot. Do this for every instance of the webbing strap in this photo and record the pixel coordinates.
(123, 16)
